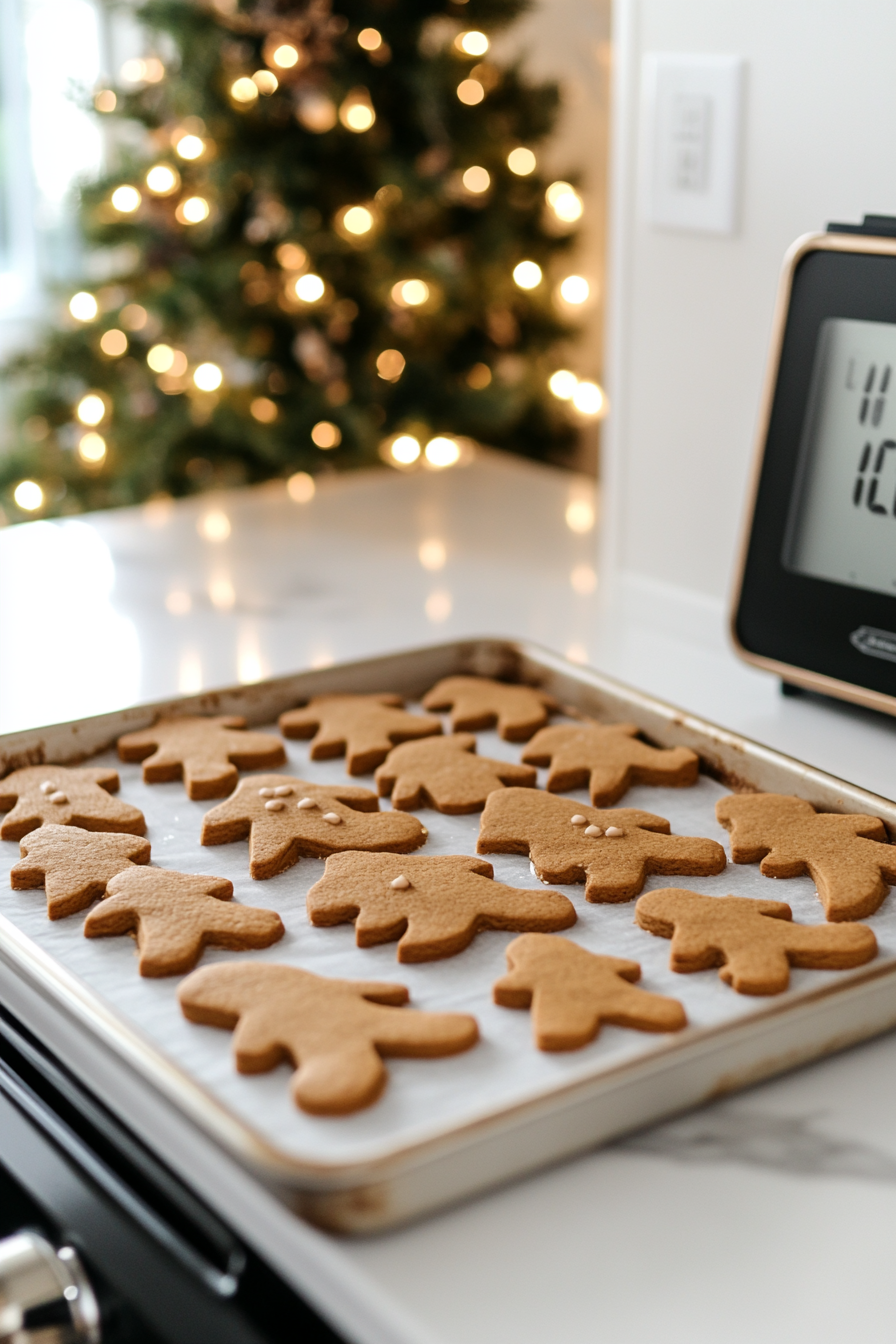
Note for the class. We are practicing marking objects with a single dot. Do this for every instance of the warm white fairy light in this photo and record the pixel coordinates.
(442, 452)
(114, 343)
(28, 495)
(521, 161)
(580, 515)
(370, 39)
(83, 306)
(575, 289)
(162, 180)
(358, 220)
(326, 435)
(92, 448)
(244, 90)
(527, 275)
(590, 399)
(477, 180)
(285, 56)
(126, 200)
(266, 82)
(264, 410)
(134, 316)
(91, 409)
(300, 487)
(191, 146)
(291, 256)
(208, 377)
(104, 100)
(565, 202)
(563, 384)
(160, 358)
(405, 450)
(472, 43)
(390, 365)
(309, 288)
(193, 210)
(356, 112)
(470, 92)
(410, 293)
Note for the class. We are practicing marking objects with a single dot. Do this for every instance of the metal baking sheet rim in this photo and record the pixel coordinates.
(566, 1119)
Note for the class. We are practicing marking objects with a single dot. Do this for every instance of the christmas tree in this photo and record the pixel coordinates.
(331, 241)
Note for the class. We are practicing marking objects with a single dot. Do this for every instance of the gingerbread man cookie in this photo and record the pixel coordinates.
(364, 728)
(573, 991)
(335, 1032)
(609, 759)
(286, 819)
(74, 866)
(175, 915)
(612, 851)
(41, 795)
(445, 773)
(478, 702)
(848, 857)
(205, 752)
(434, 906)
(754, 942)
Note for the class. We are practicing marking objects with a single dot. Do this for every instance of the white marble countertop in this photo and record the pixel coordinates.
(766, 1216)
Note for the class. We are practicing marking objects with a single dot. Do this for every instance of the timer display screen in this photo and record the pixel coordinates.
(842, 520)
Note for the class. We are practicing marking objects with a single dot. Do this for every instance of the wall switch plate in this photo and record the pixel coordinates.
(692, 123)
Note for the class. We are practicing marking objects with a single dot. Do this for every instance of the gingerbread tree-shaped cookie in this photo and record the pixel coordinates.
(175, 915)
(205, 752)
(335, 1032)
(608, 758)
(286, 819)
(612, 851)
(573, 991)
(74, 866)
(754, 942)
(478, 702)
(364, 728)
(41, 795)
(445, 773)
(435, 906)
(847, 857)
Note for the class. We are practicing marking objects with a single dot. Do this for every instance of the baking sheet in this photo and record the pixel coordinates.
(424, 1098)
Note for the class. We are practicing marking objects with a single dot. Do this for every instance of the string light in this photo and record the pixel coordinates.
(316, 112)
(291, 256)
(309, 288)
(147, 71)
(264, 410)
(286, 56)
(390, 365)
(92, 448)
(442, 452)
(133, 316)
(266, 82)
(191, 146)
(104, 100)
(563, 384)
(410, 293)
(162, 180)
(470, 92)
(589, 399)
(83, 306)
(565, 202)
(521, 161)
(300, 487)
(477, 180)
(126, 200)
(193, 210)
(162, 359)
(356, 112)
(472, 43)
(369, 39)
(357, 220)
(479, 377)
(575, 289)
(244, 90)
(527, 275)
(28, 495)
(405, 450)
(113, 343)
(326, 435)
(91, 409)
(208, 377)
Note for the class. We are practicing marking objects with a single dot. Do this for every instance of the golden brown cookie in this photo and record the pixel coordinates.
(74, 866)
(286, 819)
(42, 795)
(175, 915)
(572, 992)
(445, 773)
(335, 1032)
(848, 857)
(364, 728)
(478, 702)
(434, 905)
(206, 752)
(609, 759)
(754, 942)
(612, 851)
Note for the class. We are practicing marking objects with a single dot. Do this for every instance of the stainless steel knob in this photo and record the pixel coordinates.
(45, 1294)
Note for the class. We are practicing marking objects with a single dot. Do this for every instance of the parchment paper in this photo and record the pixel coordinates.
(423, 1097)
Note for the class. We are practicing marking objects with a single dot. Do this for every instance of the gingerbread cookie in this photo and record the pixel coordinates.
(74, 866)
(205, 752)
(445, 773)
(434, 906)
(848, 857)
(175, 915)
(41, 795)
(609, 759)
(612, 851)
(335, 1032)
(364, 728)
(286, 819)
(754, 942)
(477, 702)
(572, 992)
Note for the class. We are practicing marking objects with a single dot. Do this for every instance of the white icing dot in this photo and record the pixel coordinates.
(48, 786)
(59, 797)
(333, 818)
(614, 832)
(579, 820)
(400, 883)
(274, 805)
(424, 831)
(265, 793)
(594, 830)
(532, 869)
(304, 804)
(283, 791)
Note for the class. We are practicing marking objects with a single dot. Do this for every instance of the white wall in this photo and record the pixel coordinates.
(690, 314)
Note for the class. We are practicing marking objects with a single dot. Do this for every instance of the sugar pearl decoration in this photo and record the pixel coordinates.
(579, 820)
(596, 830)
(614, 832)
(304, 804)
(283, 791)
(333, 818)
(400, 883)
(274, 805)
(48, 786)
(265, 793)
(59, 797)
